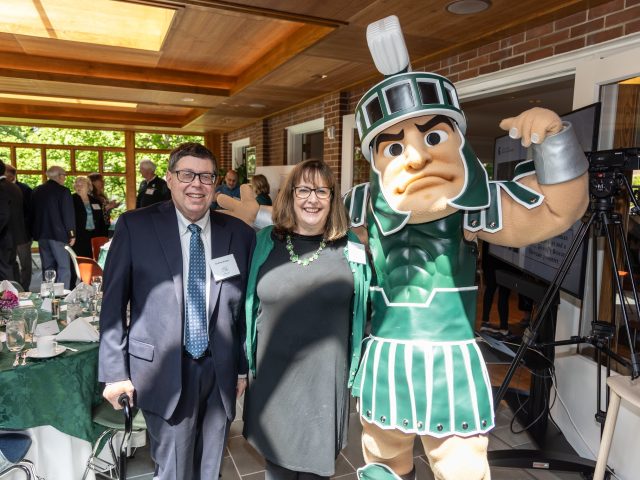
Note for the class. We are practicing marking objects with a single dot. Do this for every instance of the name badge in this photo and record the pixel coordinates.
(224, 267)
(150, 191)
(356, 253)
(95, 206)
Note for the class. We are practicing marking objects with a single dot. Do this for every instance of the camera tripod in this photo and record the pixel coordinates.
(601, 221)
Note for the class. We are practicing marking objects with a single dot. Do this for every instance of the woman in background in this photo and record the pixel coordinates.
(89, 218)
(261, 188)
(97, 181)
(306, 308)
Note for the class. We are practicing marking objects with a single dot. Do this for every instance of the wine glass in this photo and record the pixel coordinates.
(49, 276)
(96, 281)
(31, 321)
(15, 338)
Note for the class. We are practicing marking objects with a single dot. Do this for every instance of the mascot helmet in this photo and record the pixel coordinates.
(405, 94)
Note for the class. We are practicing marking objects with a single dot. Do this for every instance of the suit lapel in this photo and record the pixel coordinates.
(220, 243)
(165, 222)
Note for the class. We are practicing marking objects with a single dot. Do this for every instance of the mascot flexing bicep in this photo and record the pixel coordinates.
(428, 200)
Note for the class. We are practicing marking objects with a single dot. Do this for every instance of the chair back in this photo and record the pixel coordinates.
(17, 285)
(74, 260)
(88, 268)
(96, 243)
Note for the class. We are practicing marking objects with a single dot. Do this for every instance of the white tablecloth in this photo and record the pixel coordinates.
(56, 455)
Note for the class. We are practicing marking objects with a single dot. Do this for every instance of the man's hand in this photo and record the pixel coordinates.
(112, 392)
(241, 386)
(245, 209)
(533, 125)
(72, 241)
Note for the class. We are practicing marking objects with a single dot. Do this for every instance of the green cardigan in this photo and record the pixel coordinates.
(361, 280)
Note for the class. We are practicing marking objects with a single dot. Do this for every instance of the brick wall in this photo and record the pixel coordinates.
(599, 24)
(608, 21)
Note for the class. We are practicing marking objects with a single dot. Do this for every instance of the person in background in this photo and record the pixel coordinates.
(152, 189)
(490, 264)
(5, 238)
(89, 217)
(22, 268)
(261, 188)
(229, 187)
(54, 225)
(306, 311)
(182, 268)
(17, 232)
(97, 182)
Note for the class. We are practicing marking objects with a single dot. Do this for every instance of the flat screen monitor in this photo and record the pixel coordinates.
(542, 260)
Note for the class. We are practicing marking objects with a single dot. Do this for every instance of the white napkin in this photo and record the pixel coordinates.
(7, 285)
(71, 297)
(47, 328)
(80, 330)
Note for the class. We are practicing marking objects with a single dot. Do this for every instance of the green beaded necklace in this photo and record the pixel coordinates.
(296, 259)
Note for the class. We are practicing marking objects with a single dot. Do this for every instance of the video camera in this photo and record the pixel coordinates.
(621, 159)
(606, 168)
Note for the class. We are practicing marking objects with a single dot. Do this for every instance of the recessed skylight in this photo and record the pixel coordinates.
(101, 22)
(77, 101)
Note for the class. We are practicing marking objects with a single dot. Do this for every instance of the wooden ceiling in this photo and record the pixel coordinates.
(225, 64)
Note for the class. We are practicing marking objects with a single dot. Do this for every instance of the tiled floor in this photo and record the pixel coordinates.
(242, 462)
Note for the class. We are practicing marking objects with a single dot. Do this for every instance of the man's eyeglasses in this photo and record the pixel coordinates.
(322, 193)
(187, 176)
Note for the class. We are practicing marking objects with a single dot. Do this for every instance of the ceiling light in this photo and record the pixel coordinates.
(257, 105)
(77, 101)
(468, 7)
(319, 76)
(188, 99)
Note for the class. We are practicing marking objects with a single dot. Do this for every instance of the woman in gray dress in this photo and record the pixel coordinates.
(306, 309)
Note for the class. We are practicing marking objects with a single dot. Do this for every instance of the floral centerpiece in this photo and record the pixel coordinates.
(8, 301)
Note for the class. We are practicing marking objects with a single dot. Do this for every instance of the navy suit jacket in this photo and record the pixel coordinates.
(144, 269)
(52, 212)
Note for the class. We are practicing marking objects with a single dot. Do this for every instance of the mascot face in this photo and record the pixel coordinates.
(420, 166)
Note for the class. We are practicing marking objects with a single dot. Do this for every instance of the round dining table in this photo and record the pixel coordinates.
(52, 400)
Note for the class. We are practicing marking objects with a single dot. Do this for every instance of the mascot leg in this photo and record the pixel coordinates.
(458, 458)
(392, 448)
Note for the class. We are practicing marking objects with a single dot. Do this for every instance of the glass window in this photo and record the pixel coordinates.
(28, 159)
(114, 162)
(87, 161)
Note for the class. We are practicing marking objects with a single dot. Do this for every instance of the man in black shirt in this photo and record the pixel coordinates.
(152, 189)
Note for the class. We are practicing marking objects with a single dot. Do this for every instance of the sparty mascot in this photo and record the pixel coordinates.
(427, 203)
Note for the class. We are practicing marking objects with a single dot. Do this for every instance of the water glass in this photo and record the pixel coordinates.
(31, 322)
(15, 335)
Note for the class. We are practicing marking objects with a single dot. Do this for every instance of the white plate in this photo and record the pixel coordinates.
(33, 352)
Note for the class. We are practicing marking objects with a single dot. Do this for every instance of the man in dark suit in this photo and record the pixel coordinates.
(54, 224)
(22, 271)
(182, 269)
(152, 189)
(17, 232)
(5, 238)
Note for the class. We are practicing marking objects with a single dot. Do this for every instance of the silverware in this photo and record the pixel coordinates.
(24, 358)
(17, 360)
(71, 349)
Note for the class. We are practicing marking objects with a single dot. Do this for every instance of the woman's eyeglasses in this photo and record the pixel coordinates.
(187, 176)
(322, 193)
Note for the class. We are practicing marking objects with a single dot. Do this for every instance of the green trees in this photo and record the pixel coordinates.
(101, 151)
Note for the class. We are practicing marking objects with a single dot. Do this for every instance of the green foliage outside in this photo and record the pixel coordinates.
(87, 161)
